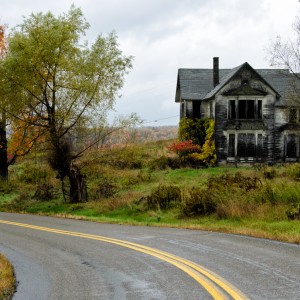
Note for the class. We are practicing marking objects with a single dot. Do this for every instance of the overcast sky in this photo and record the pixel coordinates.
(164, 35)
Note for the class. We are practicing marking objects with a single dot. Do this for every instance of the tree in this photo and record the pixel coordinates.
(63, 83)
(286, 54)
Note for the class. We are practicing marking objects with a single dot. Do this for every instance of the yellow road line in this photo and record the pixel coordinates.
(208, 280)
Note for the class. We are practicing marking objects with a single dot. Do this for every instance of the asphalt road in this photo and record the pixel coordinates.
(68, 259)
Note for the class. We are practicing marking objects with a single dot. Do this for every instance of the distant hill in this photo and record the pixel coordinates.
(143, 134)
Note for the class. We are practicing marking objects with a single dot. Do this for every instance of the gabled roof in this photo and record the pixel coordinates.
(197, 84)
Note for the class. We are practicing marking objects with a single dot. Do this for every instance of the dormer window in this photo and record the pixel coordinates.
(245, 109)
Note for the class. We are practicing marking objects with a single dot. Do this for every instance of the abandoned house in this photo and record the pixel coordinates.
(256, 117)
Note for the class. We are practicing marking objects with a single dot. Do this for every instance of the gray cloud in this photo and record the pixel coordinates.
(164, 35)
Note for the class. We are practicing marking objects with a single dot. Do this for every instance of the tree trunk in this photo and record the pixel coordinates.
(78, 189)
(3, 152)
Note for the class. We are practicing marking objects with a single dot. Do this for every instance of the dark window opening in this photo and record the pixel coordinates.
(245, 109)
(242, 145)
(246, 145)
(232, 114)
(196, 109)
(259, 109)
(231, 145)
(242, 109)
(291, 146)
(250, 109)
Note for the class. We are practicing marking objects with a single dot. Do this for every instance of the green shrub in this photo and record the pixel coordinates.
(106, 188)
(233, 181)
(199, 202)
(164, 162)
(193, 129)
(293, 213)
(163, 197)
(44, 192)
(268, 194)
(32, 173)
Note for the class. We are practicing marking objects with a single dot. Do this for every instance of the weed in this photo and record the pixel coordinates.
(163, 197)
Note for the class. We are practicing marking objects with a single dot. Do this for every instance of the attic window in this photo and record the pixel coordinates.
(245, 81)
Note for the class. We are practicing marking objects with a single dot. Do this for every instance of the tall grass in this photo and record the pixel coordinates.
(7, 279)
(140, 184)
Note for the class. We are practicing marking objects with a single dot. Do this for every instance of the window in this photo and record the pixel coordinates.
(245, 145)
(232, 114)
(291, 146)
(196, 109)
(231, 145)
(245, 109)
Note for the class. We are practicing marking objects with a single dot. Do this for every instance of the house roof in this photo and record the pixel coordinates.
(197, 84)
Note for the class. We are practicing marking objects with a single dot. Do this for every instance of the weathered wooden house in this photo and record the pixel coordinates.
(255, 118)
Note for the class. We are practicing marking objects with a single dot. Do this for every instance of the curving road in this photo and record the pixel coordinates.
(68, 259)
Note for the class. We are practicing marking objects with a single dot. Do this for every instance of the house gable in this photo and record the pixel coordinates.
(242, 79)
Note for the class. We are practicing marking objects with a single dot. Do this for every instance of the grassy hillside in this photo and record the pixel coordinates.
(145, 184)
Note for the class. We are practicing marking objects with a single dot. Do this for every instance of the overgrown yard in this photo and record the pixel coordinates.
(145, 185)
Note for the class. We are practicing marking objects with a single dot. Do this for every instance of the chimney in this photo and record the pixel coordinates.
(216, 71)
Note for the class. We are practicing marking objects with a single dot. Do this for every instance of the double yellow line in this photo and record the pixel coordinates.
(216, 286)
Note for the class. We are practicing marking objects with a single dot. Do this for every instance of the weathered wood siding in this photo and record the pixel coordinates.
(222, 118)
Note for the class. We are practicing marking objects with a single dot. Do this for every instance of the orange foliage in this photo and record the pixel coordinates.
(23, 136)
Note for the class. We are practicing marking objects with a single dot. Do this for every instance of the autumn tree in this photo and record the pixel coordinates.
(64, 82)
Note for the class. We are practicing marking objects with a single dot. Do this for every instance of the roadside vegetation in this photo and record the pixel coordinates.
(7, 279)
(147, 184)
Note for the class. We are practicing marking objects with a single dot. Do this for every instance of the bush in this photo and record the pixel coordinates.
(199, 202)
(164, 162)
(182, 149)
(163, 197)
(32, 173)
(44, 192)
(233, 181)
(106, 188)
